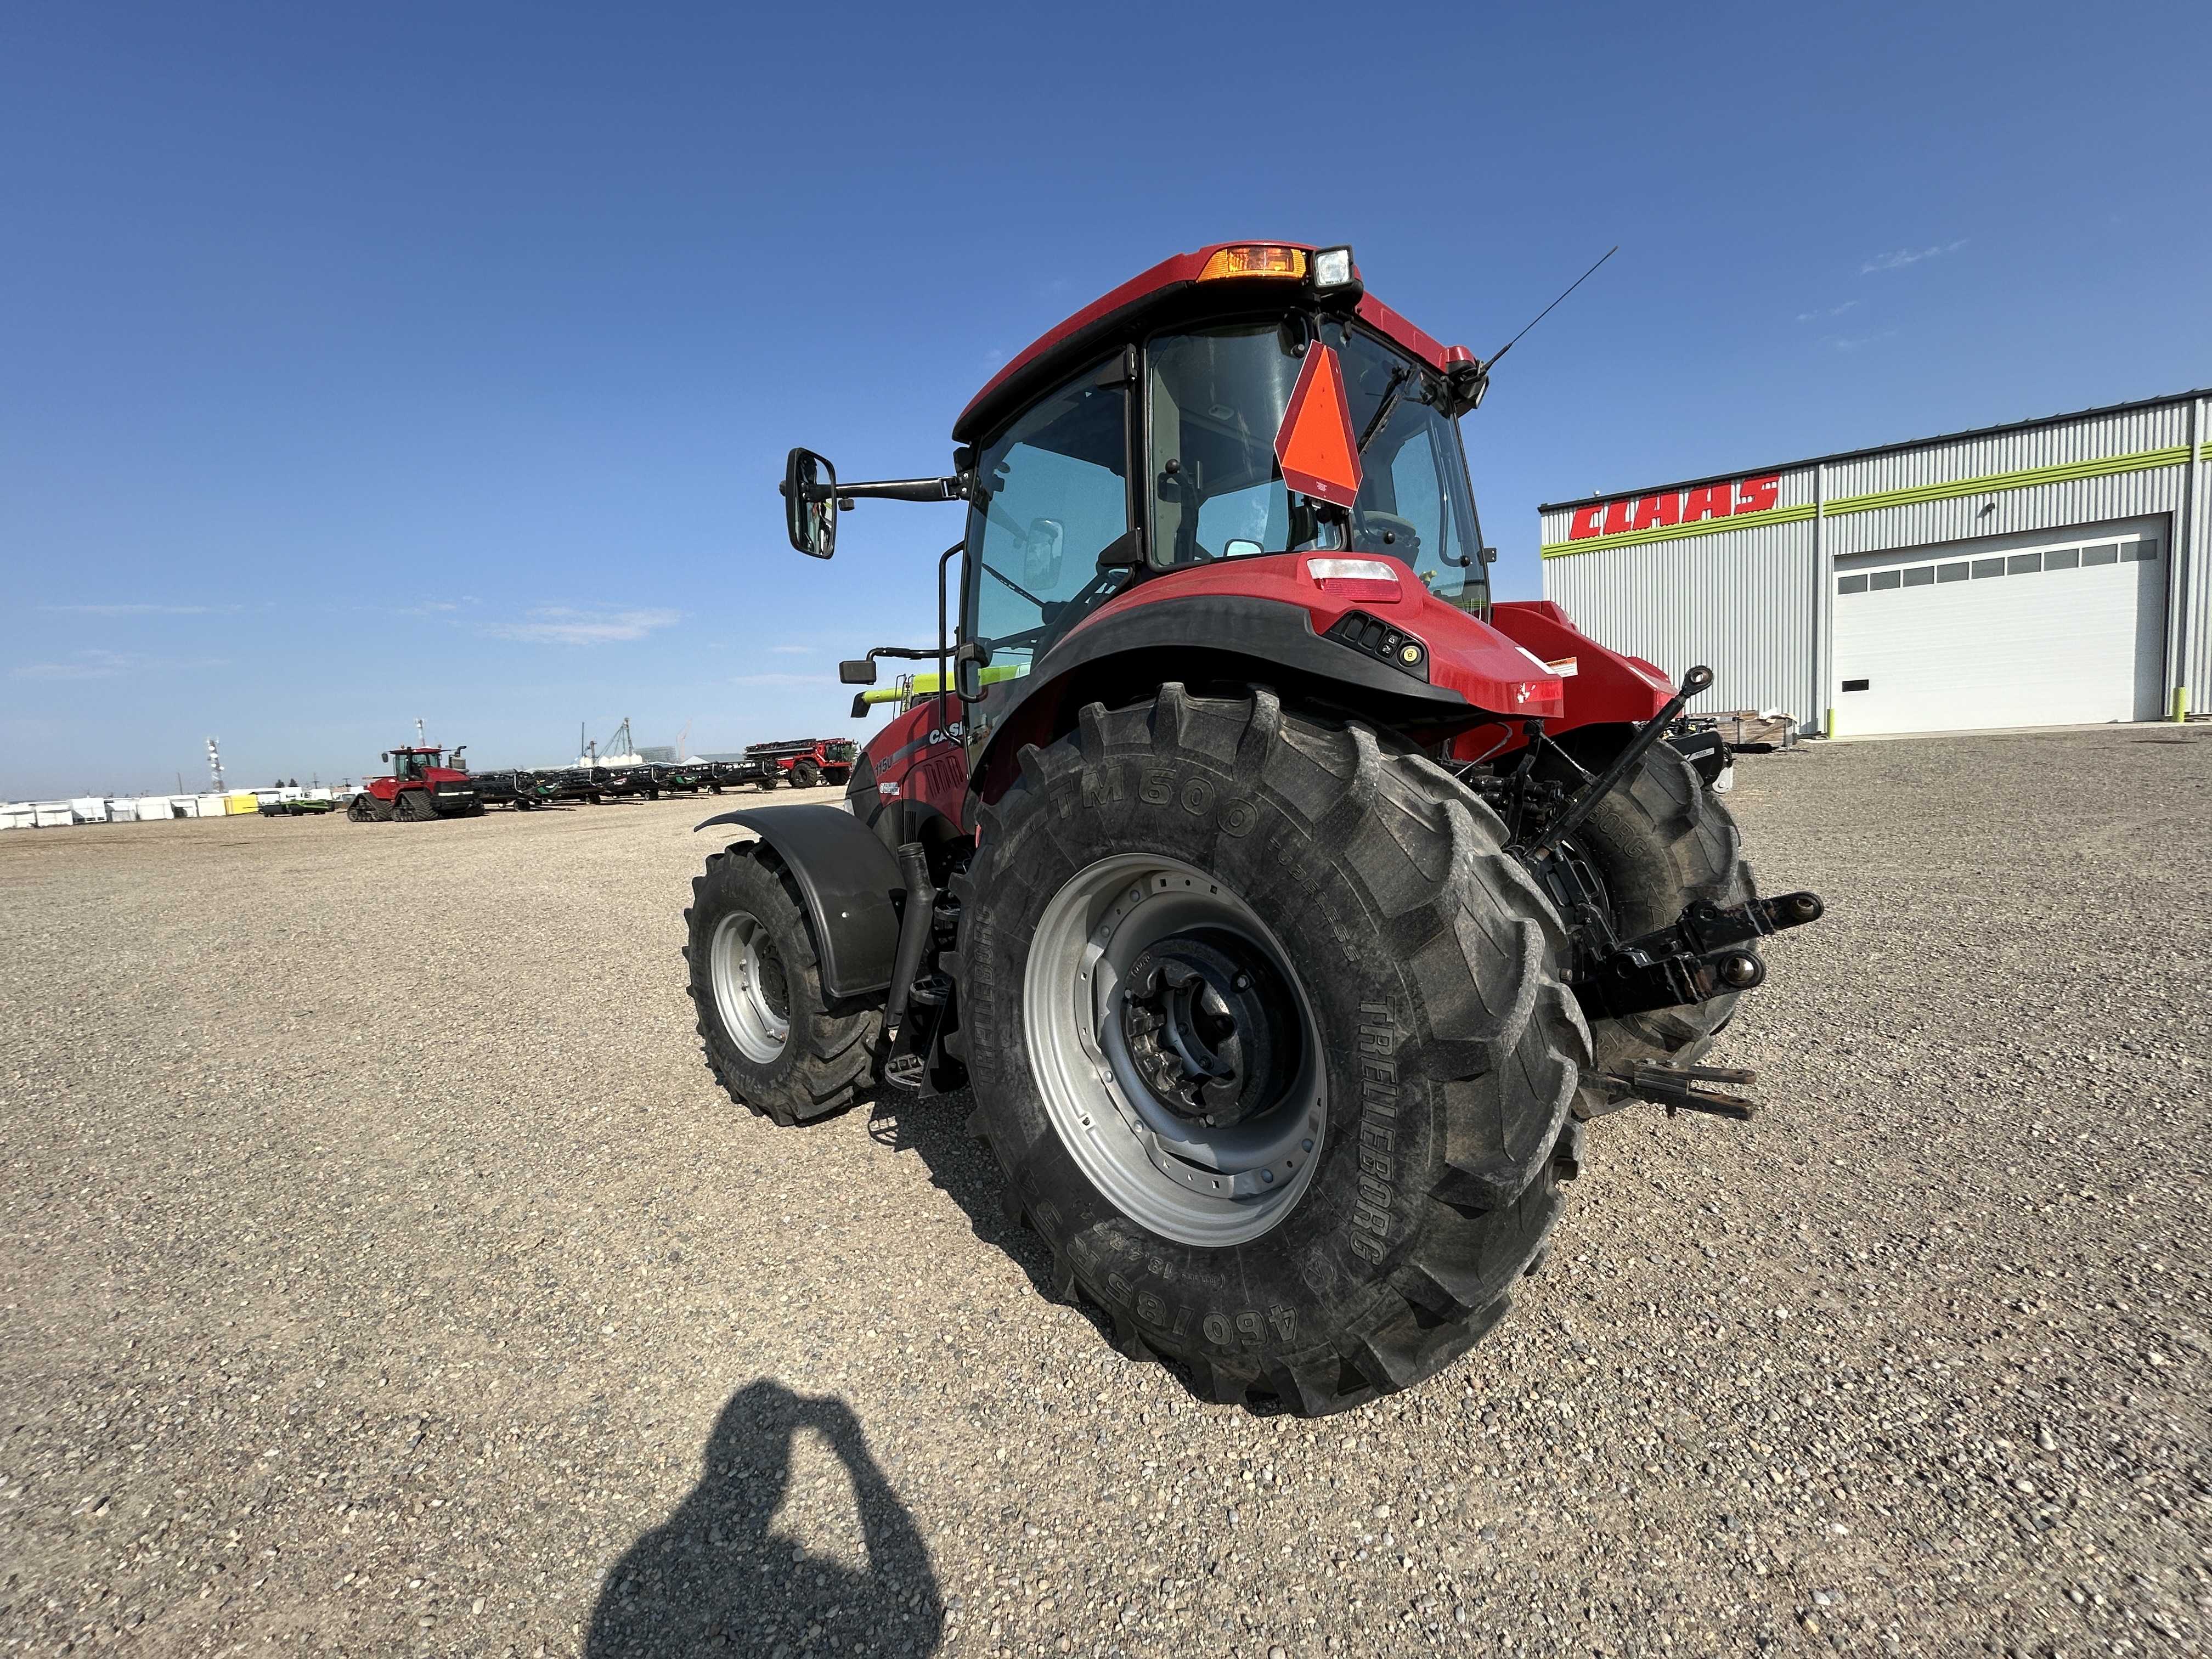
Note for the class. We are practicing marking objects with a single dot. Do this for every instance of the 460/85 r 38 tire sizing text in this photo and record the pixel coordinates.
(1342, 953)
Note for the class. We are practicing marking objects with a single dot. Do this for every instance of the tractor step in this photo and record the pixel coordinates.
(903, 1071)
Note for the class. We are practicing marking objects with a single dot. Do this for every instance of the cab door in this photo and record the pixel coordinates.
(1052, 494)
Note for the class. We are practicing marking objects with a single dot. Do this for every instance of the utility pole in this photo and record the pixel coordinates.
(214, 765)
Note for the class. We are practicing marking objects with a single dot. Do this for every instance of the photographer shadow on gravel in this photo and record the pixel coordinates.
(714, 1580)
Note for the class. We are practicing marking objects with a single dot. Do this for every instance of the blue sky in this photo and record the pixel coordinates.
(365, 363)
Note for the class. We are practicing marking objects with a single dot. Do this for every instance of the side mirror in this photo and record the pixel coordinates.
(860, 672)
(810, 503)
(1242, 549)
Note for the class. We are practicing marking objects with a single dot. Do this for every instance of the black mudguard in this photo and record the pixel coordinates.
(847, 878)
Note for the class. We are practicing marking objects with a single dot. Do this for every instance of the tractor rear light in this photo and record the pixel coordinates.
(1254, 259)
(1355, 579)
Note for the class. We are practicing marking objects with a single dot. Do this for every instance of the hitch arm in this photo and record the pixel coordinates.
(1571, 816)
(1676, 1087)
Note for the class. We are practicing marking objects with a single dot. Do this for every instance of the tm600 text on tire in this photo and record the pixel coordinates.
(775, 1040)
(1658, 842)
(1269, 1038)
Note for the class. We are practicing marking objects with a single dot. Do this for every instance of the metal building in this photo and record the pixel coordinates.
(2048, 573)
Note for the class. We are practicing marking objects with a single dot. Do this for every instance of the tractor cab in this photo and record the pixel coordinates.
(1252, 435)
(420, 765)
(1249, 402)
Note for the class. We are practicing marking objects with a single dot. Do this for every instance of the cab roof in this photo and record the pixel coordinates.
(1151, 297)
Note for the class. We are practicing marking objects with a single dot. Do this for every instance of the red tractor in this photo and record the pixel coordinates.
(803, 762)
(1287, 906)
(420, 788)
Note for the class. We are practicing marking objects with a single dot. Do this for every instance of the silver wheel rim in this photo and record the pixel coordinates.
(1187, 1181)
(734, 965)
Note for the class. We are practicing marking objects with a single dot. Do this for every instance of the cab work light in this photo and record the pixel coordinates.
(1254, 259)
(1355, 579)
(1332, 267)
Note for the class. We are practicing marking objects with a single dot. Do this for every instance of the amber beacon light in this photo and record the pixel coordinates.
(1254, 259)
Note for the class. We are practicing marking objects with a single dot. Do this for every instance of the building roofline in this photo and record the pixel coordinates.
(1877, 449)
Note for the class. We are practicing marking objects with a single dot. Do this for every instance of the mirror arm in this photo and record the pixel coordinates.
(905, 489)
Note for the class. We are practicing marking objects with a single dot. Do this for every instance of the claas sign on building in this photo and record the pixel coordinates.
(1675, 506)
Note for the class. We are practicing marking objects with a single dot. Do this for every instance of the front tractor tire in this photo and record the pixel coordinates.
(1269, 1037)
(806, 775)
(775, 1039)
(1658, 842)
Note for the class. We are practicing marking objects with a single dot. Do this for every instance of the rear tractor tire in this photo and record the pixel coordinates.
(1659, 842)
(362, 809)
(775, 1039)
(1270, 1038)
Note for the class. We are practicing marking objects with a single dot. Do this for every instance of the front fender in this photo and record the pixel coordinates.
(847, 878)
(1129, 650)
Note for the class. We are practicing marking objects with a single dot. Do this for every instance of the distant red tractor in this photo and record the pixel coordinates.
(803, 762)
(420, 788)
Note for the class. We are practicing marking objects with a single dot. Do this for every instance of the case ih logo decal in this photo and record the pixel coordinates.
(1675, 506)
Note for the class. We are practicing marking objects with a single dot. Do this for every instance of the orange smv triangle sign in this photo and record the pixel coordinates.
(1314, 446)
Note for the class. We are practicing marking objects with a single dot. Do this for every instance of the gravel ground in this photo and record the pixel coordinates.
(383, 1273)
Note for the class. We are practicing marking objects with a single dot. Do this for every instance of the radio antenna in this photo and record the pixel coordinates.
(1550, 308)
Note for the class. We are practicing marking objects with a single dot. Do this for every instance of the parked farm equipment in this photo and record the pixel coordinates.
(802, 762)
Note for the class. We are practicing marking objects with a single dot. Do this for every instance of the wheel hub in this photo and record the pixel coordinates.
(1212, 1029)
(752, 988)
(1197, 1104)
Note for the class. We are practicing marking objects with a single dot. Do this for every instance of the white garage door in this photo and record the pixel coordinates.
(2066, 628)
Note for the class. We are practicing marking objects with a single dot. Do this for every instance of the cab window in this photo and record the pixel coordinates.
(1054, 495)
(1216, 399)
